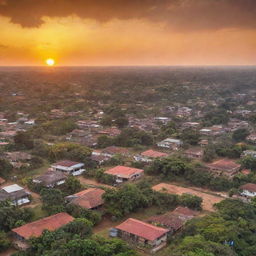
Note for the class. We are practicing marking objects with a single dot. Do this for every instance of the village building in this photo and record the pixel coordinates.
(251, 138)
(111, 131)
(224, 167)
(163, 120)
(248, 190)
(251, 153)
(195, 153)
(99, 159)
(16, 194)
(203, 143)
(35, 229)
(18, 159)
(170, 143)
(123, 173)
(69, 167)
(149, 156)
(113, 150)
(90, 198)
(51, 179)
(142, 234)
(190, 125)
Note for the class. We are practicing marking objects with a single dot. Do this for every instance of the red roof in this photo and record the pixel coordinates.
(89, 198)
(142, 229)
(153, 153)
(115, 150)
(36, 228)
(246, 171)
(184, 211)
(224, 164)
(66, 163)
(249, 186)
(123, 171)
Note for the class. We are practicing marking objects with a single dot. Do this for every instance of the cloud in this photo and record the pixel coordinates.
(177, 14)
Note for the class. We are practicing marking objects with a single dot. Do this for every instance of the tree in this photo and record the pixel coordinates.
(249, 162)
(191, 201)
(53, 200)
(190, 136)
(23, 140)
(240, 134)
(121, 122)
(4, 241)
(5, 168)
(71, 185)
(67, 150)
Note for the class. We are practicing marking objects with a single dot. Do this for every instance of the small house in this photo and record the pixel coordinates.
(123, 173)
(69, 167)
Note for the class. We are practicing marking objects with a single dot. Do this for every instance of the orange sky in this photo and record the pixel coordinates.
(128, 37)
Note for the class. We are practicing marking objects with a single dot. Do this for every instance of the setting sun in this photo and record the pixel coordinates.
(50, 62)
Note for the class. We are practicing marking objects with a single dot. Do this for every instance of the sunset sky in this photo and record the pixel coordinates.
(128, 32)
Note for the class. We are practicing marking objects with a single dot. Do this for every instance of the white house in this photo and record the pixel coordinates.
(248, 190)
(69, 167)
(174, 144)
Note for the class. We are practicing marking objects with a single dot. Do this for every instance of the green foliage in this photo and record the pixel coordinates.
(5, 243)
(11, 216)
(100, 176)
(191, 201)
(5, 168)
(23, 140)
(71, 186)
(59, 127)
(79, 212)
(240, 134)
(190, 136)
(249, 162)
(53, 200)
(71, 151)
(219, 116)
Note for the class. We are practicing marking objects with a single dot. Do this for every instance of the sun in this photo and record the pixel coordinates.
(50, 62)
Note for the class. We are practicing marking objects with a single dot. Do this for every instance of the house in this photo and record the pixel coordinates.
(251, 153)
(69, 167)
(195, 153)
(90, 198)
(142, 234)
(191, 125)
(224, 167)
(251, 138)
(99, 159)
(111, 131)
(173, 221)
(51, 179)
(170, 143)
(16, 194)
(35, 229)
(203, 143)
(149, 156)
(248, 190)
(205, 131)
(113, 150)
(163, 120)
(123, 173)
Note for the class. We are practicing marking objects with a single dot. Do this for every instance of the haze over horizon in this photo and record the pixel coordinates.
(122, 33)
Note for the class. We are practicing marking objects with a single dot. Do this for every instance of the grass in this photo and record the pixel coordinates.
(39, 213)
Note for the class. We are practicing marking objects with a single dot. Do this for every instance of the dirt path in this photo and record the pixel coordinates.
(85, 181)
(208, 199)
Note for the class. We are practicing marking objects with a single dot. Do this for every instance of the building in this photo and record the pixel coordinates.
(143, 234)
(248, 190)
(2, 180)
(251, 138)
(191, 125)
(149, 156)
(90, 198)
(203, 143)
(36, 228)
(51, 179)
(16, 194)
(224, 167)
(113, 150)
(173, 221)
(123, 173)
(69, 167)
(251, 153)
(195, 153)
(170, 143)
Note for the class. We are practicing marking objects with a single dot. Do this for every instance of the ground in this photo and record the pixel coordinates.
(209, 199)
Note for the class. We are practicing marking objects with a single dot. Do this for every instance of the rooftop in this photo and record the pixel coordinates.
(224, 164)
(249, 186)
(66, 163)
(36, 228)
(142, 229)
(123, 171)
(153, 153)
